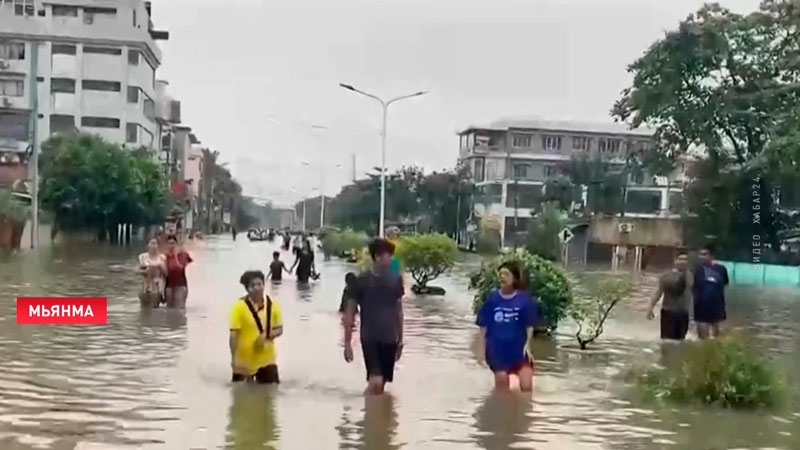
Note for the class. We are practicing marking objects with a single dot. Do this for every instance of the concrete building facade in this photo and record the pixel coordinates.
(511, 160)
(77, 65)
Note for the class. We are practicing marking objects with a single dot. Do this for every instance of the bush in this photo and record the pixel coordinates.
(341, 243)
(543, 279)
(426, 256)
(543, 232)
(721, 372)
(593, 303)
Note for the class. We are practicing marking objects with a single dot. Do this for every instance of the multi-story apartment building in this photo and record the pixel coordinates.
(511, 161)
(82, 65)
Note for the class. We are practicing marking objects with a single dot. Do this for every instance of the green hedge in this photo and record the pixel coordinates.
(722, 372)
(426, 256)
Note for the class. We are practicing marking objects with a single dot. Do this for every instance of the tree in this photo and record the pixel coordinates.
(543, 232)
(729, 85)
(541, 278)
(427, 256)
(88, 183)
(592, 306)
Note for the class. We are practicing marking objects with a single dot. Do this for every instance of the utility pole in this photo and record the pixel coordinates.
(354, 167)
(34, 161)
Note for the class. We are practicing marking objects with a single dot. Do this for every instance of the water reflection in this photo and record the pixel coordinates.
(502, 420)
(252, 422)
(375, 430)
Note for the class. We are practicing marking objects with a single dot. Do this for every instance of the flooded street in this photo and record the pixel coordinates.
(161, 379)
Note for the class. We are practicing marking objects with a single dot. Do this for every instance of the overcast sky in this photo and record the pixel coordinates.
(254, 75)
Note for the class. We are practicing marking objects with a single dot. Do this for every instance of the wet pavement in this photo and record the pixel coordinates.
(161, 379)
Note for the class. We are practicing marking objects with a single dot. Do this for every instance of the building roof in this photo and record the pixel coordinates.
(535, 123)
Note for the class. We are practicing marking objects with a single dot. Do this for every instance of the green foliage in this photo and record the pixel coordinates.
(440, 200)
(543, 231)
(340, 243)
(594, 300)
(721, 372)
(543, 279)
(88, 183)
(426, 256)
(11, 208)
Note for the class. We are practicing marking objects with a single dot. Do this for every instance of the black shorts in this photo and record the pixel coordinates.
(379, 359)
(709, 311)
(674, 324)
(264, 375)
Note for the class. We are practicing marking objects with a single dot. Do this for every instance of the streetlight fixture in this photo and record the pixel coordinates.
(385, 105)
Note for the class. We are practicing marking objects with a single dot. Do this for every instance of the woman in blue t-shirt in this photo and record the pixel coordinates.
(507, 320)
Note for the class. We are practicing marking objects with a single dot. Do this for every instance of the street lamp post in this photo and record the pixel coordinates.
(321, 194)
(385, 105)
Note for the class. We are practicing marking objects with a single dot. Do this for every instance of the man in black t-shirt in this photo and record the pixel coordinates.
(708, 290)
(378, 297)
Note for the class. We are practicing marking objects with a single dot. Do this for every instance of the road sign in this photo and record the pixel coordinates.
(565, 235)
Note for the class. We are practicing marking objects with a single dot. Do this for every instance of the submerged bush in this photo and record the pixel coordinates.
(721, 372)
(340, 243)
(594, 300)
(426, 256)
(543, 279)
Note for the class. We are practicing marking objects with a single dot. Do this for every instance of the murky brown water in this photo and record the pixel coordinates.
(160, 380)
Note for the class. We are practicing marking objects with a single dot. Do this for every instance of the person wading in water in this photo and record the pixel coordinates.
(277, 267)
(506, 321)
(153, 268)
(304, 263)
(256, 322)
(378, 297)
(673, 286)
(708, 290)
(177, 288)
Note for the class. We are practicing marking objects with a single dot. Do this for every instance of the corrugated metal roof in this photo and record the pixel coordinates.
(535, 123)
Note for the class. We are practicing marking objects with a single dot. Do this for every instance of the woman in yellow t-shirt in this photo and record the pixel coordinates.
(255, 324)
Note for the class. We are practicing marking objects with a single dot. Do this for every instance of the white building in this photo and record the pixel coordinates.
(512, 159)
(92, 64)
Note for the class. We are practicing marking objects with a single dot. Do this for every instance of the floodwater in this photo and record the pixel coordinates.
(160, 379)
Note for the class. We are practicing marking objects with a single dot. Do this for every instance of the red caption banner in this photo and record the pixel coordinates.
(62, 310)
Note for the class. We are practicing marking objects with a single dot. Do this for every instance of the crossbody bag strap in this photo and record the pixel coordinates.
(269, 316)
(255, 315)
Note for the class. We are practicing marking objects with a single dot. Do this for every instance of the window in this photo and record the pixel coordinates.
(12, 50)
(609, 145)
(133, 94)
(22, 7)
(479, 175)
(149, 109)
(134, 17)
(549, 171)
(101, 85)
(102, 50)
(521, 171)
(131, 133)
(60, 123)
(99, 122)
(12, 87)
(65, 11)
(64, 49)
(491, 171)
(550, 142)
(133, 57)
(89, 14)
(580, 143)
(62, 85)
(14, 125)
(521, 140)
